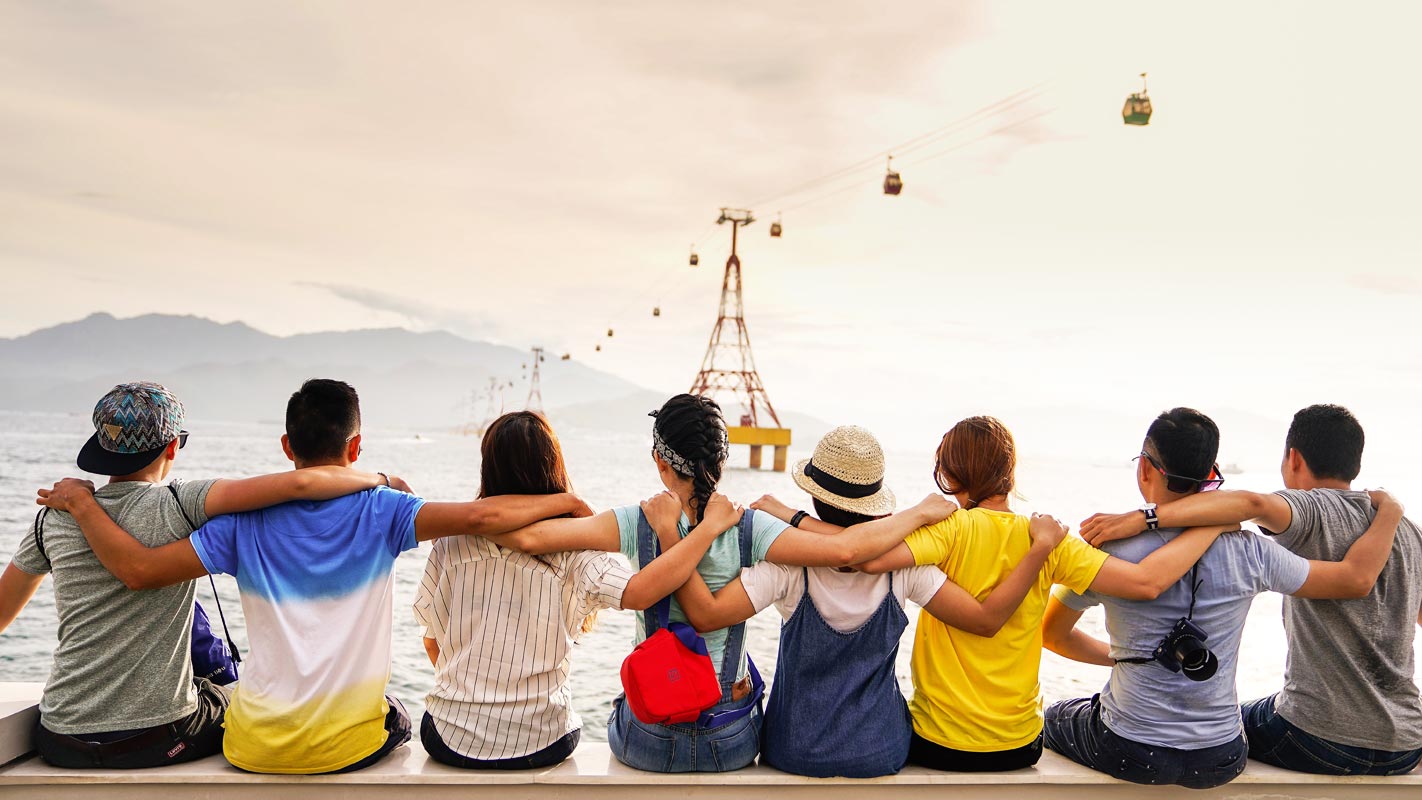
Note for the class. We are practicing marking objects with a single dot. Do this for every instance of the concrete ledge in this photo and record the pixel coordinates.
(18, 712)
(592, 774)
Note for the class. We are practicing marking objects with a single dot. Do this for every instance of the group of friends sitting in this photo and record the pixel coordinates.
(517, 575)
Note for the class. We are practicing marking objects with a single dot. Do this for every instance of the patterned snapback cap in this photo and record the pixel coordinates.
(131, 424)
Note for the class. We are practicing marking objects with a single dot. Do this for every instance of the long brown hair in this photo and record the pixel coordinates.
(977, 457)
(520, 454)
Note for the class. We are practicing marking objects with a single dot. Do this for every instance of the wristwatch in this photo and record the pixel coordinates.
(798, 518)
(1152, 521)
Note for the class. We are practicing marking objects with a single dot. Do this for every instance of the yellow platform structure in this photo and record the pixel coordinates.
(779, 438)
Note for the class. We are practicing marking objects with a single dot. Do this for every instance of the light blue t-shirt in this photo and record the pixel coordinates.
(1150, 704)
(718, 567)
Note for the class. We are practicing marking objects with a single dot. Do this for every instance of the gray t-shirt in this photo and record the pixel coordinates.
(123, 660)
(1348, 676)
(1150, 704)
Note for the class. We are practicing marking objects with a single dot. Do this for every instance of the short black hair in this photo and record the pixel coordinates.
(1330, 439)
(321, 417)
(1187, 443)
(838, 516)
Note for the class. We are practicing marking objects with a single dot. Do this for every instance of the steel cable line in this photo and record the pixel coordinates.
(998, 106)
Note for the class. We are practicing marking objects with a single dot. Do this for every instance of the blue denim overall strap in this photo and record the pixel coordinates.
(658, 616)
(836, 709)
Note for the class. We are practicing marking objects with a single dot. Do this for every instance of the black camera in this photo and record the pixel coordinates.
(1184, 650)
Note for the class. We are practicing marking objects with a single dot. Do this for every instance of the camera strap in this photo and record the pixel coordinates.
(1194, 592)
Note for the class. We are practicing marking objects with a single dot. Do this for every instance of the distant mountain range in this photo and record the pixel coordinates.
(235, 372)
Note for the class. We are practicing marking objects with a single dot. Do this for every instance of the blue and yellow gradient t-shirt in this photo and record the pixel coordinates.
(317, 582)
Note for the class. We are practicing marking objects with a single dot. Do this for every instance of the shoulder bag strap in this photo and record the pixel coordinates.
(39, 534)
(231, 645)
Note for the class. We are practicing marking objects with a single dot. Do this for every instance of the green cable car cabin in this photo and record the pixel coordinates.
(1137, 109)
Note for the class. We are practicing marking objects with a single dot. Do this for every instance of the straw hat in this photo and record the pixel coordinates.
(847, 471)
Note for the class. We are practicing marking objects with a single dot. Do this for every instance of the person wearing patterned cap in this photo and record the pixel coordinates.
(317, 581)
(122, 692)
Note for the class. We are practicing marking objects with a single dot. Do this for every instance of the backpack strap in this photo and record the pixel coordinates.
(656, 616)
(39, 534)
(736, 634)
(192, 527)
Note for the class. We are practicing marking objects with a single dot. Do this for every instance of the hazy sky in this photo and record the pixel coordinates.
(532, 173)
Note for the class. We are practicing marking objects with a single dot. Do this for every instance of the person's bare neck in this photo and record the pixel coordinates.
(330, 462)
(996, 503)
(150, 474)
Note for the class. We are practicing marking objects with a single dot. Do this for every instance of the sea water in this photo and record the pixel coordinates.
(608, 470)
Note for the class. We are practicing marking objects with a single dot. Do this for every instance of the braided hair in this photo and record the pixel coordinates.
(692, 428)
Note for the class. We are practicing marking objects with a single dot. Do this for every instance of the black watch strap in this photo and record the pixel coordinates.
(798, 518)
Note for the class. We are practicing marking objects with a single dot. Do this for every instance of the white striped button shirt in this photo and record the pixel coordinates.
(505, 623)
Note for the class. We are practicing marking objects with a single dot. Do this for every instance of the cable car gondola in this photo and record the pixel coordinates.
(893, 184)
(695, 259)
(775, 227)
(1137, 109)
(609, 333)
(656, 311)
(566, 357)
(598, 348)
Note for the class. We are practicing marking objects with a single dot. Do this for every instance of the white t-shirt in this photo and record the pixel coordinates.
(846, 600)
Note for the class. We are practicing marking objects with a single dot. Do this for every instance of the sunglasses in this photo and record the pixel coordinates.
(1181, 484)
(182, 439)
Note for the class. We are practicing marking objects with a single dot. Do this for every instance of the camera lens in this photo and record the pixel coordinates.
(1198, 663)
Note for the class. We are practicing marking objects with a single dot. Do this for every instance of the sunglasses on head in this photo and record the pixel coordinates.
(1181, 484)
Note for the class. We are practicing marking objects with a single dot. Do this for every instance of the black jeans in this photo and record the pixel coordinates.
(1275, 740)
(397, 732)
(1074, 729)
(555, 753)
(195, 736)
(935, 756)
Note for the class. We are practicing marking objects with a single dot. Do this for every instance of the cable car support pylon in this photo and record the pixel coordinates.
(729, 367)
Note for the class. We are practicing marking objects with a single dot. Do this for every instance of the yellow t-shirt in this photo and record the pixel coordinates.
(977, 694)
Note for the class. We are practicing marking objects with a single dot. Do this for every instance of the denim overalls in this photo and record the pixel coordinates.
(692, 747)
(836, 708)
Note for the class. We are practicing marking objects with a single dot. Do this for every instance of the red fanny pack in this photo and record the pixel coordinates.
(669, 677)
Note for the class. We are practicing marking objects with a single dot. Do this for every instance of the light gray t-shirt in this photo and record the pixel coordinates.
(123, 660)
(1147, 702)
(1348, 676)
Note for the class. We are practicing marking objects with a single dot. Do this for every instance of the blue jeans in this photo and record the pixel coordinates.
(683, 748)
(1275, 740)
(1074, 729)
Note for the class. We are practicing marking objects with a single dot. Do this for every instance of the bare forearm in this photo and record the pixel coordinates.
(513, 511)
(121, 554)
(1218, 508)
(432, 650)
(1004, 600)
(669, 570)
(1079, 646)
(263, 491)
(16, 589)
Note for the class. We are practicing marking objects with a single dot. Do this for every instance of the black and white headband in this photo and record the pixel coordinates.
(679, 465)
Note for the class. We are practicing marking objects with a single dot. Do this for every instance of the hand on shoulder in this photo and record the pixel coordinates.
(1098, 529)
(64, 493)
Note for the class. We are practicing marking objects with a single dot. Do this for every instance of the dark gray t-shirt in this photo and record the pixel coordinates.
(1348, 676)
(123, 660)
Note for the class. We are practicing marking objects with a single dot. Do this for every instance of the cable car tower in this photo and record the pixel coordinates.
(729, 366)
(535, 391)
